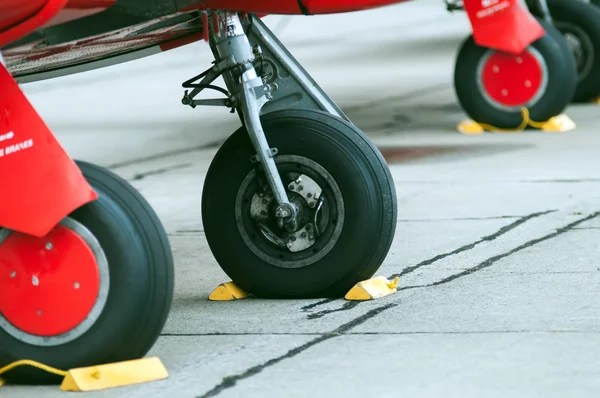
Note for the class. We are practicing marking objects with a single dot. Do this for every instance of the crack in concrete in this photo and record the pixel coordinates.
(163, 170)
(347, 306)
(441, 332)
(434, 259)
(231, 381)
(163, 155)
(408, 220)
(505, 229)
(492, 260)
(318, 303)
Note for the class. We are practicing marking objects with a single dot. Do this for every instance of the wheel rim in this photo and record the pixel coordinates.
(581, 46)
(509, 82)
(53, 288)
(321, 214)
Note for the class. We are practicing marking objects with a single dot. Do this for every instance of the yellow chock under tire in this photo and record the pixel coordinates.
(557, 124)
(227, 291)
(113, 375)
(102, 377)
(372, 289)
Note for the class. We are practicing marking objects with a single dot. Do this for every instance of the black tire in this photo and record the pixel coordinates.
(571, 64)
(581, 21)
(552, 101)
(141, 285)
(369, 199)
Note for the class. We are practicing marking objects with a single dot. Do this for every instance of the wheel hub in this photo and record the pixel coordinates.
(510, 81)
(319, 216)
(53, 288)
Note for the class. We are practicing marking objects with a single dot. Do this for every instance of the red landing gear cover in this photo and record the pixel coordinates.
(39, 183)
(504, 25)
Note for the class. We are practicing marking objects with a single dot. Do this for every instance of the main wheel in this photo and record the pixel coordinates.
(568, 56)
(493, 86)
(96, 289)
(579, 22)
(344, 192)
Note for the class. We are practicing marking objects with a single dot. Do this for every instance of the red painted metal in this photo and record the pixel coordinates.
(47, 290)
(512, 80)
(32, 22)
(75, 9)
(31, 58)
(13, 12)
(40, 183)
(503, 25)
(291, 7)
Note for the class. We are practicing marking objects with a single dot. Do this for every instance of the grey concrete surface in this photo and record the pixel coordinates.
(497, 241)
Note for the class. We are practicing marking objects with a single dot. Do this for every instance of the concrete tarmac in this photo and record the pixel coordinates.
(496, 245)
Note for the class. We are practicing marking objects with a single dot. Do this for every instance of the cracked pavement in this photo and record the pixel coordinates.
(496, 246)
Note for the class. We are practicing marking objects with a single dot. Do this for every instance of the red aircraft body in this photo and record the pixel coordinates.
(297, 203)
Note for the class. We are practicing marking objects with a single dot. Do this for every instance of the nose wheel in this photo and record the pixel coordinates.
(297, 203)
(345, 204)
(96, 289)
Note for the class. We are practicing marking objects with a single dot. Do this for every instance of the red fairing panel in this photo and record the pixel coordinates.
(292, 7)
(39, 183)
(337, 6)
(504, 25)
(14, 11)
(32, 23)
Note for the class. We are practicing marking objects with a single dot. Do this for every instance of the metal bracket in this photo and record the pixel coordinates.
(295, 88)
(209, 76)
(255, 159)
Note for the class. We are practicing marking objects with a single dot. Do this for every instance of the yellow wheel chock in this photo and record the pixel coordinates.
(101, 377)
(227, 291)
(556, 124)
(372, 289)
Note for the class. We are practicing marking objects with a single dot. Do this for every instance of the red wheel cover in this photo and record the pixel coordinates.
(48, 285)
(512, 80)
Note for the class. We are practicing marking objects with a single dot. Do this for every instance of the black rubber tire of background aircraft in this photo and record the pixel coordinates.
(569, 58)
(554, 99)
(352, 169)
(581, 21)
(141, 272)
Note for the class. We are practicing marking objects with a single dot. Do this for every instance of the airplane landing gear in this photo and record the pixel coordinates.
(297, 202)
(492, 86)
(96, 289)
(579, 22)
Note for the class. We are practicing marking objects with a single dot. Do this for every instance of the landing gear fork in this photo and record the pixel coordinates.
(248, 93)
(276, 207)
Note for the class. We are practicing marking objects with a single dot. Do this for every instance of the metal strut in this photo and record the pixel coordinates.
(235, 57)
(261, 76)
